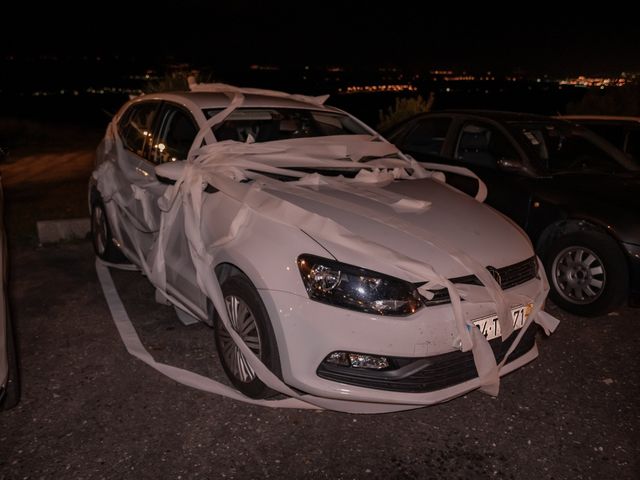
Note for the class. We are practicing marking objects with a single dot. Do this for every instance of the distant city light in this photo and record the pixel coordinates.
(404, 87)
(583, 81)
(347, 80)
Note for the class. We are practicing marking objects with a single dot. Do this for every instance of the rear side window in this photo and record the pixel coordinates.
(427, 136)
(136, 128)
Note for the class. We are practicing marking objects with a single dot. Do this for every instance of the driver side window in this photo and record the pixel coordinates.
(177, 132)
(427, 136)
(136, 128)
(483, 145)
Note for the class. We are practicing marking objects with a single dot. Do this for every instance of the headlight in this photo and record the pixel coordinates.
(347, 286)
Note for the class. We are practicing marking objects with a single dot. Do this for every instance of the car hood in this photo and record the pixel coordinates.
(452, 222)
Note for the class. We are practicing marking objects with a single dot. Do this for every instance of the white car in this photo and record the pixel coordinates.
(350, 275)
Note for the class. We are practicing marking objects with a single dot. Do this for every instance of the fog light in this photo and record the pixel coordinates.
(357, 360)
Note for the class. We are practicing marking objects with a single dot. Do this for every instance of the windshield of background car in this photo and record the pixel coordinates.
(562, 148)
(269, 124)
(632, 146)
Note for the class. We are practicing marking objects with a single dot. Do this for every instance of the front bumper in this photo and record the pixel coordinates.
(308, 331)
(427, 374)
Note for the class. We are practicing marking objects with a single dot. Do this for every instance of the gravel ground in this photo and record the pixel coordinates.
(89, 410)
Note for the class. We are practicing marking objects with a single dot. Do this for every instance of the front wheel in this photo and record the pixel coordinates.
(250, 320)
(587, 272)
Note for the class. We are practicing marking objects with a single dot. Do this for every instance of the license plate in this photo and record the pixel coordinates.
(490, 327)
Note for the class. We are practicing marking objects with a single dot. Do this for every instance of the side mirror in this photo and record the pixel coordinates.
(169, 172)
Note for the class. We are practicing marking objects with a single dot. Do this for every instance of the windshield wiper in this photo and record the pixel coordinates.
(369, 158)
(329, 172)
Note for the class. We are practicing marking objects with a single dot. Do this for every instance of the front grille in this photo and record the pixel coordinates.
(518, 273)
(428, 374)
(511, 276)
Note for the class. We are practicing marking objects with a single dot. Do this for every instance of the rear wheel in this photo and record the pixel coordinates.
(101, 235)
(250, 320)
(587, 272)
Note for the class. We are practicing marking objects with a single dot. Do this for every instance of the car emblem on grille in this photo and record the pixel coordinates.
(495, 274)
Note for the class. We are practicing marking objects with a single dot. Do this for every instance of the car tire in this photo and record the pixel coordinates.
(250, 319)
(587, 273)
(11, 394)
(101, 237)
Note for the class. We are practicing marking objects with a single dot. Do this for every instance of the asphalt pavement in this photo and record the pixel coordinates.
(89, 410)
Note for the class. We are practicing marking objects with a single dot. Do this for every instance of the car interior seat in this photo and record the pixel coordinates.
(226, 131)
(288, 127)
(269, 130)
(473, 147)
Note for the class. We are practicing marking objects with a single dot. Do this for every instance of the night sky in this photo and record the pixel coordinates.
(534, 38)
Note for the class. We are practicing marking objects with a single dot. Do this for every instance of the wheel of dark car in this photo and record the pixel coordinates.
(101, 235)
(250, 320)
(587, 273)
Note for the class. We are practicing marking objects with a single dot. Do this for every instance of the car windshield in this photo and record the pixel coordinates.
(560, 148)
(269, 124)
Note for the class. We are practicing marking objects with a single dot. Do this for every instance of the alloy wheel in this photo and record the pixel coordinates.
(578, 275)
(244, 323)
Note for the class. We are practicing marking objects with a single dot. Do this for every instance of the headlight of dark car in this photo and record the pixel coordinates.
(355, 288)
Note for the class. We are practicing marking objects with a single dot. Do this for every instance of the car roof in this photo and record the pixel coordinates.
(606, 118)
(205, 100)
(497, 115)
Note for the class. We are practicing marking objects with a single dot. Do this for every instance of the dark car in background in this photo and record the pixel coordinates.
(623, 132)
(575, 194)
